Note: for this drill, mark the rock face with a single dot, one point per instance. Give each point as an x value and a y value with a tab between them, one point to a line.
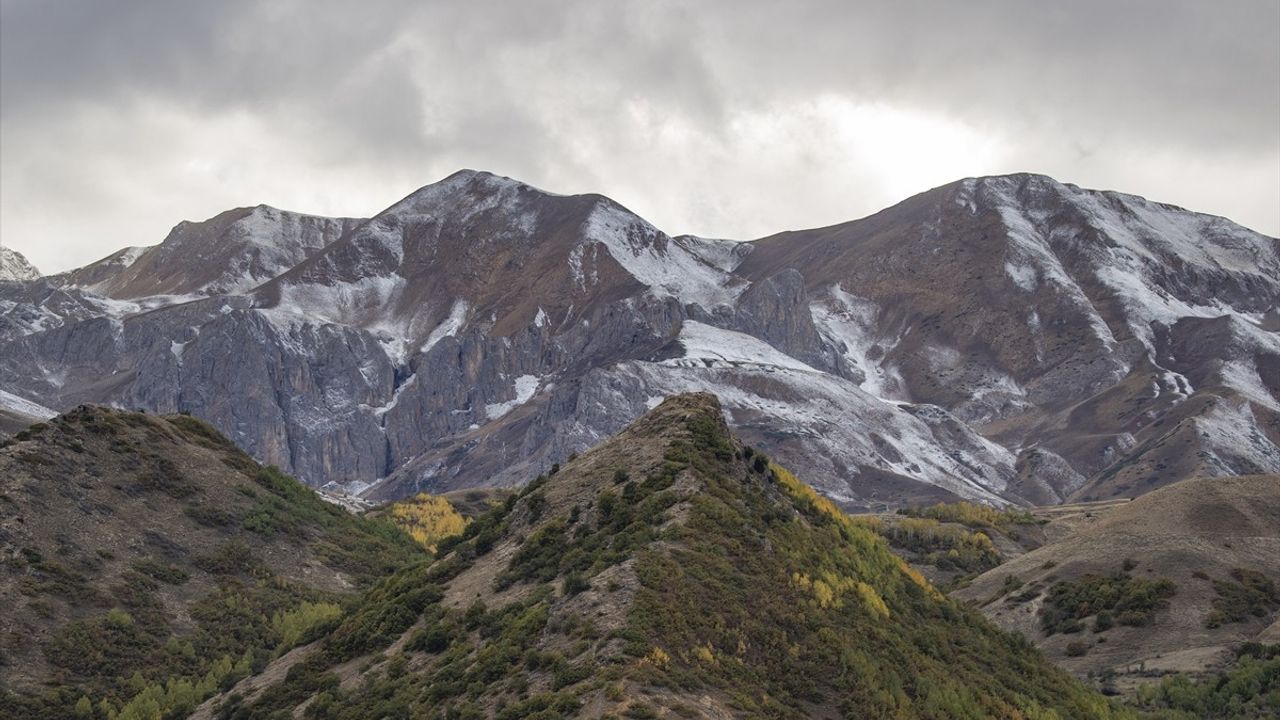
1005	339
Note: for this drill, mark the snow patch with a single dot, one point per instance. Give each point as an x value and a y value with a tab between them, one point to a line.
449	326
850	321
707	346
525	387
1022	275
830	416
669	268
23	406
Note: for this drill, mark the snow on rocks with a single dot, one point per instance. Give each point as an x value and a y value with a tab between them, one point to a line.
849	322
669	268
15	268
525	386
23	406
707	346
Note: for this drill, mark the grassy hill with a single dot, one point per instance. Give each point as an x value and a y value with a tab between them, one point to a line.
669	572
145	563
1174	581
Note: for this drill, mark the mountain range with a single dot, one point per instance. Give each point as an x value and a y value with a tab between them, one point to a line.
1010	339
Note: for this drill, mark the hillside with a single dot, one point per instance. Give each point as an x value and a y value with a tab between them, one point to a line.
147	557
1007	339
1182	577
669	572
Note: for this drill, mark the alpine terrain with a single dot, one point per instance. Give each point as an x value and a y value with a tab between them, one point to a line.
1005	339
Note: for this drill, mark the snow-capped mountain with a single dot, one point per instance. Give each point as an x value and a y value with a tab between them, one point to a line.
229	253
14	267
1007	338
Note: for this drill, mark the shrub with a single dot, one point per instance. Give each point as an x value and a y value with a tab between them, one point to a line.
574	584
303	623
166	573
1249	593
1133	601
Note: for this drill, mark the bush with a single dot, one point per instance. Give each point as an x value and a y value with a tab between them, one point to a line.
1249	593
433	639
1133	601
574	584
165	573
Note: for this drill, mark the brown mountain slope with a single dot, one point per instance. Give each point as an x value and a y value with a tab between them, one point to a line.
132	543
1195	534
233	251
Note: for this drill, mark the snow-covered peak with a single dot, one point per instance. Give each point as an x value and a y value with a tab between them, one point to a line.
668	267
1118	250
463	191
15	268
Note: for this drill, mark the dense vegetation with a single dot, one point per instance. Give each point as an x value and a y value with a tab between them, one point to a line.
1116	598
762	593
428	518
945	546
848	626
956	538
973	515
1248	690
153	636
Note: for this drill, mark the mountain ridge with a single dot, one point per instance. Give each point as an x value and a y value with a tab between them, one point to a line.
933	350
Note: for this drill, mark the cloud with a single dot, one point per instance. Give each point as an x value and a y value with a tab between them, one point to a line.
722	118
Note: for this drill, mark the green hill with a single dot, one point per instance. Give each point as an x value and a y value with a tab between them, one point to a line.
146	563
669	572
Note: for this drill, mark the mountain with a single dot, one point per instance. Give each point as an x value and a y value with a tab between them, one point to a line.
1008	339
232	252
1174	581
671	571
138	548
14	267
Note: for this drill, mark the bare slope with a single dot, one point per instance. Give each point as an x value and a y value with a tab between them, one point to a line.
1194	534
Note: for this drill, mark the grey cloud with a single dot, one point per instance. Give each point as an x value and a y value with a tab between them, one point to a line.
105	108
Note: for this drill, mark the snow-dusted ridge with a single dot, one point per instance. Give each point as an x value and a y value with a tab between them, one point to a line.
14	266
670	268
480	329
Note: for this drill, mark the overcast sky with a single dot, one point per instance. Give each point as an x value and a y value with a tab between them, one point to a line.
729	119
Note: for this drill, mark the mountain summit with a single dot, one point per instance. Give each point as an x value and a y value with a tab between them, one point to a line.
1008	339
14	267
